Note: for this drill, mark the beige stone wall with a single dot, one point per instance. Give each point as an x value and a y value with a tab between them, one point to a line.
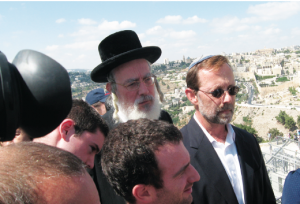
269	90
246	75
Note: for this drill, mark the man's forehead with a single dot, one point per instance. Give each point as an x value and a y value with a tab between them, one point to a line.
132	69
167	154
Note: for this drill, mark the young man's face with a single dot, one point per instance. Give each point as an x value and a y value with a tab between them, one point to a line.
178	174
85	146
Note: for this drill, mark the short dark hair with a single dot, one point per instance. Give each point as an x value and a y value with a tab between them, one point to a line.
86	118
213	63
25	165
128	155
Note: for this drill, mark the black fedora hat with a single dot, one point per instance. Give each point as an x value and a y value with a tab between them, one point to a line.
119	48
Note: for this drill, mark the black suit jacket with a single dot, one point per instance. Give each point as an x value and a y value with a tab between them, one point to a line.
214	185
105	190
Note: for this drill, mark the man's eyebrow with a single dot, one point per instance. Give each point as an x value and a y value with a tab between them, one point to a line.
181	170
136	79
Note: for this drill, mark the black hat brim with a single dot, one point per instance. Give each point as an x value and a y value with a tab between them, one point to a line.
100	73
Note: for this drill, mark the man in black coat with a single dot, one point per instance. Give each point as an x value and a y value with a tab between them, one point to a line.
134	90
228	159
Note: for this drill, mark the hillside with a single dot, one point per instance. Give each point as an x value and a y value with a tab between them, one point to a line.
263	118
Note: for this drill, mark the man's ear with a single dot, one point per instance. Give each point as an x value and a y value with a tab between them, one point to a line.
66	129
144	193
108	87
191	95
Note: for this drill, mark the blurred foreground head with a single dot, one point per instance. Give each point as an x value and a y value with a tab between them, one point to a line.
36	173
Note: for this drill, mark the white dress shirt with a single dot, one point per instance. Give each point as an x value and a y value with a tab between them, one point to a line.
228	155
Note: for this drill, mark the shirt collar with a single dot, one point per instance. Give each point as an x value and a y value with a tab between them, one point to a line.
230	138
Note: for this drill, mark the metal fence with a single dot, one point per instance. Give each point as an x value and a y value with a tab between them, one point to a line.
281	158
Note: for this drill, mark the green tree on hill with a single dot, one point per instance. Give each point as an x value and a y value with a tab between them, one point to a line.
275	132
289	122
281	117
298	121
286	120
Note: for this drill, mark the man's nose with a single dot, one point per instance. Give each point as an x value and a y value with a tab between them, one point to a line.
143	89
194	175
227	98
90	162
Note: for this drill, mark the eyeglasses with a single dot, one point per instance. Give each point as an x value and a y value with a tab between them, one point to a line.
135	85
219	92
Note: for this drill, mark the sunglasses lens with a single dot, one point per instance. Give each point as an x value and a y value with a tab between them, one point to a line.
233	90
217	93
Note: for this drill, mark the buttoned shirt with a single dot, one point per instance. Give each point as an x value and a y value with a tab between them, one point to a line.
228	155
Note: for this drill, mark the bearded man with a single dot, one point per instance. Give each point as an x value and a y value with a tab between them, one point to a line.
228	159
134	90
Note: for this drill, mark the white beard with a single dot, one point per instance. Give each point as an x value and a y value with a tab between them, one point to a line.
133	113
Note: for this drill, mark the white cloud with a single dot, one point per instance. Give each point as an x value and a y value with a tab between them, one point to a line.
141	36
179	20
88	45
203	47
194	19
295	31
51	47
61	35
271	31
170	20
182	34
229	24
115	25
156	30
81	56
61	20
86	21
81	32
275	10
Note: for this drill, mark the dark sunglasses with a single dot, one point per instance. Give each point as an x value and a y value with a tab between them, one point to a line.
219	92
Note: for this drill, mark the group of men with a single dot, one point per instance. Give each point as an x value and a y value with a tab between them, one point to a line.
146	159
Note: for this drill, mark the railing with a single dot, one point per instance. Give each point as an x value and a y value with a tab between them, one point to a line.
281	158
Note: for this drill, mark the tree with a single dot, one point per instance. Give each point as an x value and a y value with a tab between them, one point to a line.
168	87
248	128
292	90
282	63
289	122
275	132
298	121
285	120
281	117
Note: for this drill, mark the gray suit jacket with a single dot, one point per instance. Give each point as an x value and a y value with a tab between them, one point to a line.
214	185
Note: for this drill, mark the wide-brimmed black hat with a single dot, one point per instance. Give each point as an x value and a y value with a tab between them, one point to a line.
35	94
119	48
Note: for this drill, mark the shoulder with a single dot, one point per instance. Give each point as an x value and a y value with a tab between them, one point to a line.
291	189
293	176
244	134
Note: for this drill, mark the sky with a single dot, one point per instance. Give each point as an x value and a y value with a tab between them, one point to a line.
70	32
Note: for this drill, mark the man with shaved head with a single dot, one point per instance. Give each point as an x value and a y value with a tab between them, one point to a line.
37	173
